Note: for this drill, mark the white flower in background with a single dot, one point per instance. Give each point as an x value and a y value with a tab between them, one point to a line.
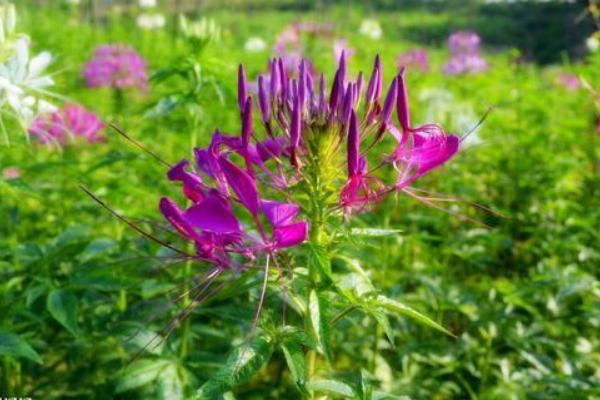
593	42
151	21
371	28
255	45
22	81
583	346
73	2
458	116
147	3
205	29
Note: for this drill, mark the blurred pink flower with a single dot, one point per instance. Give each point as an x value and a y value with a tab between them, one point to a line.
418	58
464	54
339	46
464	42
116	66
463	63
69	123
568	81
9	173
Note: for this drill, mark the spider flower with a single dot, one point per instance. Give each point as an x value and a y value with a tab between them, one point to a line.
255	193
70	123
465	54
464	42
116	66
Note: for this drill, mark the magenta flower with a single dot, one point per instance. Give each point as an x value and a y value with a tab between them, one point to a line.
70	123
10	173
464	63
246	191
465	54
464	42
116	66
339	46
568	81
417	58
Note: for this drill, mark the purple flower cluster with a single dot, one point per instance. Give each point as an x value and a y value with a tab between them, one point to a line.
70	123
417	58
307	136
465	54
116	66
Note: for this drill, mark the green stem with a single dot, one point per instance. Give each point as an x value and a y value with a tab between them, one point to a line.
118	101
5	384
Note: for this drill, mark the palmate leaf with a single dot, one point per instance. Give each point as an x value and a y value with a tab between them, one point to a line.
402	309
241	365
13	345
319	323
62	305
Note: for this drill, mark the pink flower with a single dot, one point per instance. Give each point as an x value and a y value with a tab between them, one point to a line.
10	173
568	81
464	42
116	66
465	63
339	46
69	123
465	56
418	58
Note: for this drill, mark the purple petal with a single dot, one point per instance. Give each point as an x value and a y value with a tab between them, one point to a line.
388	106
214	215
173	214
246	122
402	107
192	184
290	235
242	84
271	147
263	100
279	214
242	184
353	146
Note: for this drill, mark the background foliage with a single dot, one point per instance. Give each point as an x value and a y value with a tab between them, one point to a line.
81	296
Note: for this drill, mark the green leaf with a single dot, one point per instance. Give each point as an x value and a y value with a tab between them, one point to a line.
374	232
294	356
383	321
97	248
242	364
319	260
169	385
62	305
140	373
332	387
318	322
403	309
13	345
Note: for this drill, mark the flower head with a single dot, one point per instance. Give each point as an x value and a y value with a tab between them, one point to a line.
465	56
69	123
568	81
464	42
116	66
249	192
